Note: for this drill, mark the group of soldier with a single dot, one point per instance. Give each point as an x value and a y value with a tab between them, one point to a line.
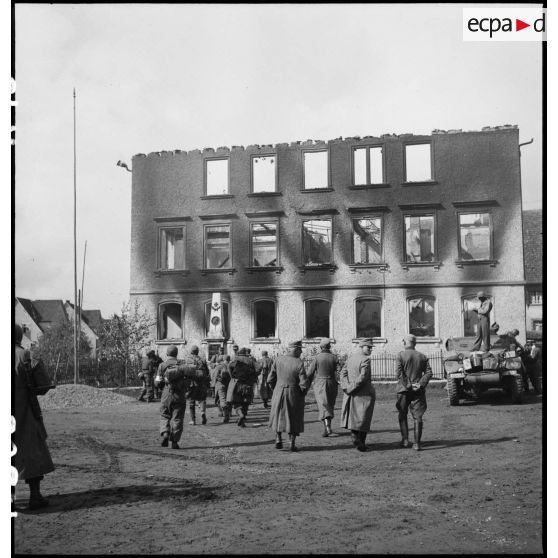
285	380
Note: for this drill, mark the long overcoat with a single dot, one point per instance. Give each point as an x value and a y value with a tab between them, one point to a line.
264	366
32	458
322	370
360	396
289	382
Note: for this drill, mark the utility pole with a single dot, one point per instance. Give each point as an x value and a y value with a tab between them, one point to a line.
76	346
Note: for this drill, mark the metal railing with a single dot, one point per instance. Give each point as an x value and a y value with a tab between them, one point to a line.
384	365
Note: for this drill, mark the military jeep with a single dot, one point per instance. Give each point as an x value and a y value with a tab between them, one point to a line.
469	373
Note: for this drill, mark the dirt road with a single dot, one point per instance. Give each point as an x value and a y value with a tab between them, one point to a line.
475	487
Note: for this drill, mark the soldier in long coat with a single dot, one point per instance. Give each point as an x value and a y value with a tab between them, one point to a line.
264	367
359	394
239	393
413	375
483	335
222	380
196	391
32	458
290	384
323	368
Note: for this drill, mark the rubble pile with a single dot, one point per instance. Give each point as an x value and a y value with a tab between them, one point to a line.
72	395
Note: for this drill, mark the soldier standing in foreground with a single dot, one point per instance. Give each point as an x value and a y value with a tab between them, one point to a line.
198	388
483	334
222	380
239	393
323	368
148	369
290	384
413	375
263	367
359	394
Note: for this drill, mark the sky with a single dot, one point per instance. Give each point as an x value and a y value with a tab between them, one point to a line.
164	77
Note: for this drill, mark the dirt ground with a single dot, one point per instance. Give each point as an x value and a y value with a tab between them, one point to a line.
475	488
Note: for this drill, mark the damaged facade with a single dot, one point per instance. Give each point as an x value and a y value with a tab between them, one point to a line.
349	238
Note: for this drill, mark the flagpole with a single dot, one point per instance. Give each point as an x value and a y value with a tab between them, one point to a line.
76	359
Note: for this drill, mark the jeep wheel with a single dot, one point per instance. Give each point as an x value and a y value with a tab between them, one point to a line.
517	389
453	392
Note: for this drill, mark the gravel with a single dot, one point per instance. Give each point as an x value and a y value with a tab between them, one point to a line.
72	395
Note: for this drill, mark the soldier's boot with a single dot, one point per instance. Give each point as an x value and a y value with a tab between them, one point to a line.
36	499
362	441
242	418
278	441
404	428
354	437
203	406
265	404
226	413
328	426
418	436
325	433
292	438
175	445
165	442
192	416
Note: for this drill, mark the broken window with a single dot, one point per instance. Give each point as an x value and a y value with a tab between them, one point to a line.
368	165
170	321
418	162
264	244
216	177
316	242
217	247
172	249
470	317
264	173
367	240
265	319
316	318
419	238
368	317
316	171
422	316
475	236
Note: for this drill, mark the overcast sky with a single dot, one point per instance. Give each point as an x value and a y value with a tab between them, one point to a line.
164	77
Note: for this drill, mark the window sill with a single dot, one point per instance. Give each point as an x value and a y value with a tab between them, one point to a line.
316	340
229	270
369	186
320	267
262	340
420	183
263	194
161	272
378	266
258	269
170	342
379	340
217	197
461	263
316	190
406	265
428	340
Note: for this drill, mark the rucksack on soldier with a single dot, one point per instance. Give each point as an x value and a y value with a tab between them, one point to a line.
172	375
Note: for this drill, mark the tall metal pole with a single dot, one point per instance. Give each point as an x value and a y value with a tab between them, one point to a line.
76	356
81	290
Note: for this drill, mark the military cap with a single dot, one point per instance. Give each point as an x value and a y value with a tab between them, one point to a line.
264	353
242	351
295	345
325	342
366	343
410	340
194	350
172	350
235	346
150	353
481	294
515	332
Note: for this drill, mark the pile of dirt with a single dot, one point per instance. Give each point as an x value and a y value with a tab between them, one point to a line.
71	395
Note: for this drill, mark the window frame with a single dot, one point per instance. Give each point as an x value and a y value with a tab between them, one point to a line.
304	265
251	243
491	236
204	255
207	160
328	187
172	340
369	183
470	296
375	299
421	213
253	338
380	216
422	338
256	156
330	318
432	178
160	229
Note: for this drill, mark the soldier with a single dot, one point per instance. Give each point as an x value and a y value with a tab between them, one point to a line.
217	358
239	392
156	390
148	370
290	384
264	367
173	401
323	367
222	380
359	394
197	389
483	335
413	375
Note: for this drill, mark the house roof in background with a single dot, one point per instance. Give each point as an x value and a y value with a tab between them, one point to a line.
30	309
50	311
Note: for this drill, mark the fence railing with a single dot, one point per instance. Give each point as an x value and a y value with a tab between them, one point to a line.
384	365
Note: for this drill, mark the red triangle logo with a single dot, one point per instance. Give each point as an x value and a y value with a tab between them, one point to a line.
519	25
